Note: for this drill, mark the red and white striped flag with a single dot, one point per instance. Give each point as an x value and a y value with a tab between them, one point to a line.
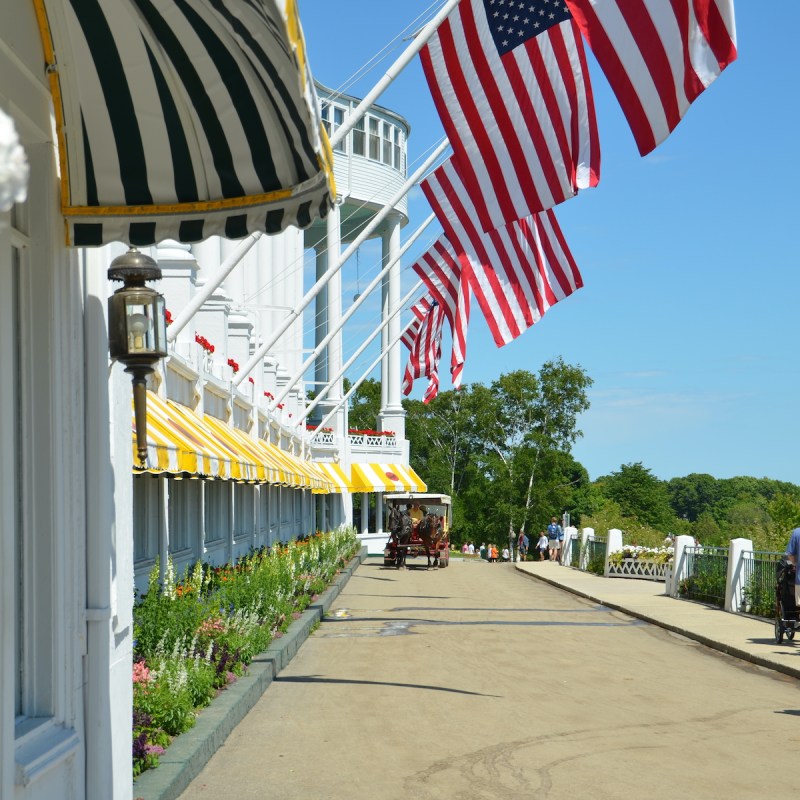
517	272
424	340
511	85
440	269
658	56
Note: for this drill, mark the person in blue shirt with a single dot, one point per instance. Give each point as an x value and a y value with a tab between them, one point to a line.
793	552
555	535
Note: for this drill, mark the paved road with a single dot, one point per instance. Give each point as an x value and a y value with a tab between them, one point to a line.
477	682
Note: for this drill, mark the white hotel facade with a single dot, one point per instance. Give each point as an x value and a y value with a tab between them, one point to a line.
81	528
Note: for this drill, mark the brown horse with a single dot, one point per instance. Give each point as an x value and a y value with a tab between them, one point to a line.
431	531
400	528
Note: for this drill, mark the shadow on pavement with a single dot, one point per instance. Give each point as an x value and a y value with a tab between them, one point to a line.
314	679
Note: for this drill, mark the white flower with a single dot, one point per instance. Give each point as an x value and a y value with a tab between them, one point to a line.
13	165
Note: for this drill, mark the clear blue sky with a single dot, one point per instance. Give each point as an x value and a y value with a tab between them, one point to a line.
687	319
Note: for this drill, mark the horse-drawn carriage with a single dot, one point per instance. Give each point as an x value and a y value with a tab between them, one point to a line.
429	535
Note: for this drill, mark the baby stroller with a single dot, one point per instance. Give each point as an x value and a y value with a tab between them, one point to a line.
786	612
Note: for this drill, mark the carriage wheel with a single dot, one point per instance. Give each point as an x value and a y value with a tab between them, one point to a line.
779	630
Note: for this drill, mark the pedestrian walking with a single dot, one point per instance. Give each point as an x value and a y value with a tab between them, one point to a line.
555	536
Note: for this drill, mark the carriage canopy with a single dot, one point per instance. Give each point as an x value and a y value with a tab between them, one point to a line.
438	504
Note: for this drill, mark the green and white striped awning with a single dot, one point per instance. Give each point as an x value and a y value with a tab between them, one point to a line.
183	119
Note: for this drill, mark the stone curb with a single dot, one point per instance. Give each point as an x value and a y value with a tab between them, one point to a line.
721	647
191	751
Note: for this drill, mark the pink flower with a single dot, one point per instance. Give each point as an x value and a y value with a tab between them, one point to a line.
141	674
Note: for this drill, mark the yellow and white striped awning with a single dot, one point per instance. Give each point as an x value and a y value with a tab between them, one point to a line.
178	441
239	441
385	478
336	475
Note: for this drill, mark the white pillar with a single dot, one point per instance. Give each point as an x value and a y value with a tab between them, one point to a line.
570	538
586	535
740	551
333	351
364	512
680	562
392	416
613	545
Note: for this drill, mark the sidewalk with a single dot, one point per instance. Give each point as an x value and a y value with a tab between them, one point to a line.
748	638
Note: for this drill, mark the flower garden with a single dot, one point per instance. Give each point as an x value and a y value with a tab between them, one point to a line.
195	635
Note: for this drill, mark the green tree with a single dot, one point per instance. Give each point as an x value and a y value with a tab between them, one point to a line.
692	495
640	495
365	406
784	517
503	449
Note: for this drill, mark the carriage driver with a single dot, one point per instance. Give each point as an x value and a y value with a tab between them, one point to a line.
415	512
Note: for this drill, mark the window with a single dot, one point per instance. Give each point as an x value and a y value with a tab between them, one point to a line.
374	139
184	513
243	510
358	138
146	508
332	119
218	511
387	143
263	505
398	150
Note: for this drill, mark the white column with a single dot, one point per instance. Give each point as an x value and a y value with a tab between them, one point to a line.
364	512
321	370
392	416
586	535
334	348
680	562
740	551
613	545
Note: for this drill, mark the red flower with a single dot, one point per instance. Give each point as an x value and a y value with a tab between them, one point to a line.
204	343
233	365
167	316
252	380
269	395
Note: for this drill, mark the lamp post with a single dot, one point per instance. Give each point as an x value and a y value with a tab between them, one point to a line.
137	329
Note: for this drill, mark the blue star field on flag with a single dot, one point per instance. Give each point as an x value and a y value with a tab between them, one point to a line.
513	22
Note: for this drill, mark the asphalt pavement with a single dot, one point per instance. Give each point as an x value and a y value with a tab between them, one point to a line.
420	685
739	635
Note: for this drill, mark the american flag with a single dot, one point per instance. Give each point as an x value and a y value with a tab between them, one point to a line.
424	340
511	85
658	56
517	272
440	269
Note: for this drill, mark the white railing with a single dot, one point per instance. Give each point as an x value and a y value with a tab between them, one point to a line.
376	442
637	568
323	438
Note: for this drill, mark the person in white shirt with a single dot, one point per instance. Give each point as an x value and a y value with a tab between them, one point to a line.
471	549
542	545
506	555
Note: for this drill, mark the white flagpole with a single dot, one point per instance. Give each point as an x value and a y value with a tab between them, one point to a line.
369	369
255	359
315	402
352	310
401	63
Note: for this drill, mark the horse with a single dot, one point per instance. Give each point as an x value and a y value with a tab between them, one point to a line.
431	531
400	528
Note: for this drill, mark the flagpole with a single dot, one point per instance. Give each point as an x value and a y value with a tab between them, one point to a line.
262	350
352	310
420	40
315	402
369	369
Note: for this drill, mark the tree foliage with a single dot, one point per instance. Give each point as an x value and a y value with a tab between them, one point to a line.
502	451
